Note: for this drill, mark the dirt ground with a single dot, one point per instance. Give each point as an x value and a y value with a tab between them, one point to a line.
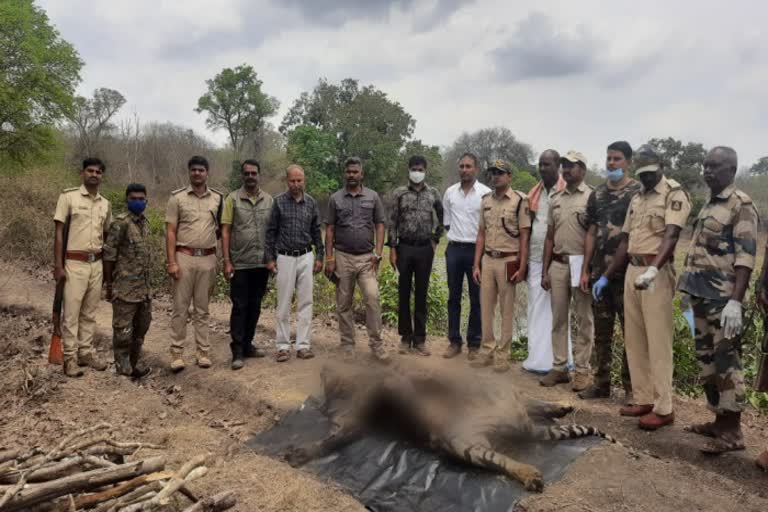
215	411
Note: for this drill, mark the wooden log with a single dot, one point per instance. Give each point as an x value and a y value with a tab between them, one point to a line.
82	482
221	501
111	493
7	455
130	497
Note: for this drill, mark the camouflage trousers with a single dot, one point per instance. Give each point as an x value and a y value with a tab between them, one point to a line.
610	306
720	369
130	323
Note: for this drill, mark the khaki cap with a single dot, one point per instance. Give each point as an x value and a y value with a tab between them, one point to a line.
573	157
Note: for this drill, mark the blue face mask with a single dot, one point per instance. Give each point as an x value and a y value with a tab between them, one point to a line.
136	206
615	175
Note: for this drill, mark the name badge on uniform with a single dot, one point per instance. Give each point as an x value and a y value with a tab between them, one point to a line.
677	205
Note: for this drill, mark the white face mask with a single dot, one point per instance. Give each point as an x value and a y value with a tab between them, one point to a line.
416	176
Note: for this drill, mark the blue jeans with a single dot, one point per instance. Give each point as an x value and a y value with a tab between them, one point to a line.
459	259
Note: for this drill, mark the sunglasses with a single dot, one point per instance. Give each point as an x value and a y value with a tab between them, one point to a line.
497	172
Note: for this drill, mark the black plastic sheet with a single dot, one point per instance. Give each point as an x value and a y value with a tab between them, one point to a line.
387	475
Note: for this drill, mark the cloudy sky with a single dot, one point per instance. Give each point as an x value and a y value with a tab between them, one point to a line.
568	75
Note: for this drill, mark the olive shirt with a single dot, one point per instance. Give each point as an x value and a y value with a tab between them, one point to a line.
650	212
354	218
606	210
503	218
195	217
568	217
128	246
724	237
90	217
248	216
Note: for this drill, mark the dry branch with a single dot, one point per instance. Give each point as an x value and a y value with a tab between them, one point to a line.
222	501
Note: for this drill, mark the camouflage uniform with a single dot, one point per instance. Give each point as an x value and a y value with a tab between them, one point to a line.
724	237
606	210
127	246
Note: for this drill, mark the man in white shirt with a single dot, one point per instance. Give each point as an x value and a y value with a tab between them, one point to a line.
461	206
539	358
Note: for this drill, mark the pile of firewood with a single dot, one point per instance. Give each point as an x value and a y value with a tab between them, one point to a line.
88	471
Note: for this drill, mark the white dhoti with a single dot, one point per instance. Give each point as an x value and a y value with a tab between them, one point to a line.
540	324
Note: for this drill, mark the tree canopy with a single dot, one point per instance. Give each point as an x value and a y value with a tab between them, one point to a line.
38	75
91	118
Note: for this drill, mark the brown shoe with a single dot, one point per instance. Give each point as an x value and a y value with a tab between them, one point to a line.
305	353
472	353
452	351
380	355
500	365
581	382
91	360
553	378
282	356
483	361
762	461
71	369
636	410
421	349
177	364
653	421
203	361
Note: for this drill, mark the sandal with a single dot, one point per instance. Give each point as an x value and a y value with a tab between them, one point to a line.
305	353
703	429
723	444
283	356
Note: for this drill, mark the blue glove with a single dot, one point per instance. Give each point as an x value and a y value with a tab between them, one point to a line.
599	286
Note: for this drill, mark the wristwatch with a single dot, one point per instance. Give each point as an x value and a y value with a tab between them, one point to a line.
378	256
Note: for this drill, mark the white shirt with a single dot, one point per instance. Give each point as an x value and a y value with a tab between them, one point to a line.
462	211
539	227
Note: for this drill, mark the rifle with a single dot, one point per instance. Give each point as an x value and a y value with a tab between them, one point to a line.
56	352
761	382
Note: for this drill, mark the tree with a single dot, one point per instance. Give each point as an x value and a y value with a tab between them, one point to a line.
315	151
92	118
358	121
235	102
490	144
38	75
760	168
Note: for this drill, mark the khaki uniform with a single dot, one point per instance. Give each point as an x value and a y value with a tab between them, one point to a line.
648	320
501	219
724	237
90	218
195	219
568	218
128	246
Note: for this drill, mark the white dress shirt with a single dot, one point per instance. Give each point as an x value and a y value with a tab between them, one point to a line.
539	227
462	211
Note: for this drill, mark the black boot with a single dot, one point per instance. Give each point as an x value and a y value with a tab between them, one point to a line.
237	357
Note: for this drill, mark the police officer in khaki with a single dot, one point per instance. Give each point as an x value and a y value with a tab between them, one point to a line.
654	220
501	260
563	259
88	216
192	220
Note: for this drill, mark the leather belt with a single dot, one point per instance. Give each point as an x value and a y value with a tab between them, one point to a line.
644	260
560	258
415	243
500	254
296	253
462	244
86	256
195	252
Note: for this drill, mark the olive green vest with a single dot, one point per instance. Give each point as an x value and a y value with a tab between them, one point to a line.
249	229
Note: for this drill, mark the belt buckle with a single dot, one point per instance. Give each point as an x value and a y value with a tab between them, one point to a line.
495	254
91	257
197	252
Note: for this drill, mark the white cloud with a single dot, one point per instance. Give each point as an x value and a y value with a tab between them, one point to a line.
558	74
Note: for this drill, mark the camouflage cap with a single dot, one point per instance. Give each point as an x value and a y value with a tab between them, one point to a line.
646	159
574	156
501	165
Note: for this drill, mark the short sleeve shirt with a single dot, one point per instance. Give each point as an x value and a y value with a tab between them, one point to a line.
650	212
90	217
724	237
568	217
606	210
503	218
194	217
354	218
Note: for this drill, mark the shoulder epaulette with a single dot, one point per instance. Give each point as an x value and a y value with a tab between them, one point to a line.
522	195
178	190
215	191
70	189
743	197
673	185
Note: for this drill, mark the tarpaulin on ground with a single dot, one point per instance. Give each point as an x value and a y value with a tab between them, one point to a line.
387	475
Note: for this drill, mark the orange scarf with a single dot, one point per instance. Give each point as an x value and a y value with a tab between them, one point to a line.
535	194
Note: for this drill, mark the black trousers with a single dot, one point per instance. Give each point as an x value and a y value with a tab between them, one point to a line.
415	266
246	290
459	260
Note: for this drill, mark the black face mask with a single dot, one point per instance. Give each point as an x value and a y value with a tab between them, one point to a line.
648	179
